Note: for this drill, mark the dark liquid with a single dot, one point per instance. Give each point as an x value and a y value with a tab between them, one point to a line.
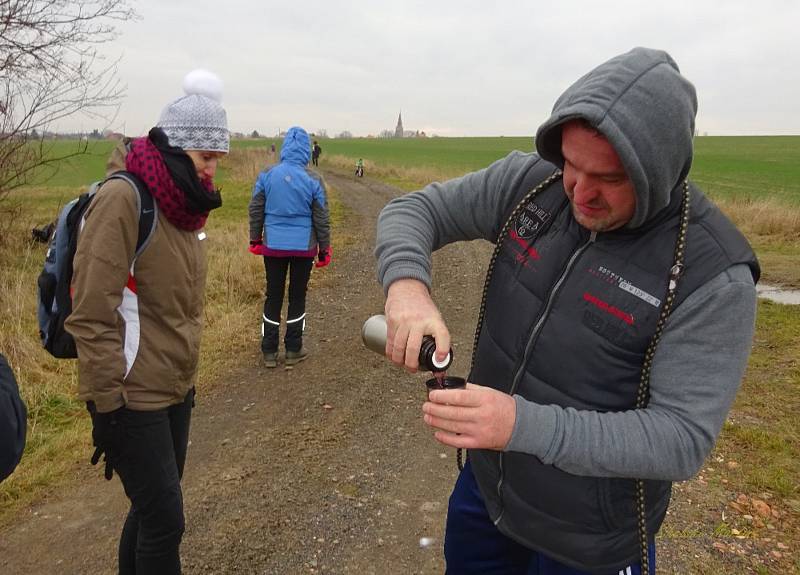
441	380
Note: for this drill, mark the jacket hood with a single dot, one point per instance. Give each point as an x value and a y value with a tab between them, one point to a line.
116	161
296	148
644	107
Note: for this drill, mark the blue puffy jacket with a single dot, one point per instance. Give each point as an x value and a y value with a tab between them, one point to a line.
289	209
12	421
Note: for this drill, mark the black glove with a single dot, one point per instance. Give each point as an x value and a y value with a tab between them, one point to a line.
106	428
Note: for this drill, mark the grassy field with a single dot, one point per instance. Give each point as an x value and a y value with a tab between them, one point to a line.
755	180
749	167
734	168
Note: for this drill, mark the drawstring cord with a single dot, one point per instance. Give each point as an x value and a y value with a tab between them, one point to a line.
643	392
497	247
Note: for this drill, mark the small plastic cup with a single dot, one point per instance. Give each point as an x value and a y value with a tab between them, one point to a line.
447	382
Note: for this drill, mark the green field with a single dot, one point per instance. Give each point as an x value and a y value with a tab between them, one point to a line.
453	154
748	167
726	167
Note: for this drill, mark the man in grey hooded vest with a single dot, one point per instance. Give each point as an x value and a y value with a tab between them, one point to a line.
617	321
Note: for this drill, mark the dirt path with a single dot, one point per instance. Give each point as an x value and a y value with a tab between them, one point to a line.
326	468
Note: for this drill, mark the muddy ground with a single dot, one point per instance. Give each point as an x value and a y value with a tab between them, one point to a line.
325	468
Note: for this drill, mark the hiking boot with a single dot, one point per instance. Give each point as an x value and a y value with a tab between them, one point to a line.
293	357
271	358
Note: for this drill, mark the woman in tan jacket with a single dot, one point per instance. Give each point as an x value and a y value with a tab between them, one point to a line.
137	320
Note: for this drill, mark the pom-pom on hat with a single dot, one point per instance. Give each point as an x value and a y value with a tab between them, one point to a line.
197	121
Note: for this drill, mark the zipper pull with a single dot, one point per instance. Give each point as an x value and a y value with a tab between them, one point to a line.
674	274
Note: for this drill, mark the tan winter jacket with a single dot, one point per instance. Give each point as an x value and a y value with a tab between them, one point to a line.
138	342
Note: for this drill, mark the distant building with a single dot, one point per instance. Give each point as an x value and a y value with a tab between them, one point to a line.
398	131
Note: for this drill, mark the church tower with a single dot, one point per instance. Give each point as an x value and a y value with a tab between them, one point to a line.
398	131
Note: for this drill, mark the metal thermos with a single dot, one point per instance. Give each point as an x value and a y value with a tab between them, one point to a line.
374	336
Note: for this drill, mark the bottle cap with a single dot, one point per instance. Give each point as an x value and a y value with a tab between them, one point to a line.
440	364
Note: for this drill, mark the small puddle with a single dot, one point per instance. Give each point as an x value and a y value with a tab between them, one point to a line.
778	294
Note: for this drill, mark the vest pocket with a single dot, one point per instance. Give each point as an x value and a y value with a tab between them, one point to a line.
617	498
570	501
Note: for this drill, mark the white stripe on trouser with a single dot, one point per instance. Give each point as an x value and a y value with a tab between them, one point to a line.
295	320
269	321
626	571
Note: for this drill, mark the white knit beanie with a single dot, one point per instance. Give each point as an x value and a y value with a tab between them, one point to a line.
197	121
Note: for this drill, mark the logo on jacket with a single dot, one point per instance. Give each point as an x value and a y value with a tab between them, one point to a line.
611	277
528	224
530	221
608	308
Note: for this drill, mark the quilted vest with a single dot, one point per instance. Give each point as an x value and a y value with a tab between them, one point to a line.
567	321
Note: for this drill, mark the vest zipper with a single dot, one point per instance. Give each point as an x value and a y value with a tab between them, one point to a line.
532	339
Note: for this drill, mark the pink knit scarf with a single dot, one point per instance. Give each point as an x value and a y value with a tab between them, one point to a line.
145	161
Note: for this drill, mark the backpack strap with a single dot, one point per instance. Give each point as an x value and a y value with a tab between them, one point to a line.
148	209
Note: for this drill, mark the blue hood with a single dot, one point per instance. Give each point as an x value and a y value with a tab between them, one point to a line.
296	148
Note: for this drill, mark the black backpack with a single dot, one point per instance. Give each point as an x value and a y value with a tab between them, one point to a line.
55	297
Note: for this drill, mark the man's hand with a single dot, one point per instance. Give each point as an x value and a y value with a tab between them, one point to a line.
410	315
473	418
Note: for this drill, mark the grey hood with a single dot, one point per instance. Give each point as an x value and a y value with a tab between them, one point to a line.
644	107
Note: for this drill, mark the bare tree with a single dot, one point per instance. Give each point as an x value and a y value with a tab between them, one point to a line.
50	68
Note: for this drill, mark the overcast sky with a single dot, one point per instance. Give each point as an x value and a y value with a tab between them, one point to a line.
454	67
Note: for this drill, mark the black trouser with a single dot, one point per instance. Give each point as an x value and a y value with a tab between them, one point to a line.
150	465
299	270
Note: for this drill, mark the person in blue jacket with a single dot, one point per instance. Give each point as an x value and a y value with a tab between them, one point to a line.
289	226
12	421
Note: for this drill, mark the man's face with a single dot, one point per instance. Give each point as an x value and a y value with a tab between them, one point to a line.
601	193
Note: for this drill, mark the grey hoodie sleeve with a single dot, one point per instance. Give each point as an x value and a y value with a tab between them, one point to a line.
471	207
256	209
320	215
696	372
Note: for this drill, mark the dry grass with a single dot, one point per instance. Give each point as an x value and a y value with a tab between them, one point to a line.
773	229
46	384
244	164
763	217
